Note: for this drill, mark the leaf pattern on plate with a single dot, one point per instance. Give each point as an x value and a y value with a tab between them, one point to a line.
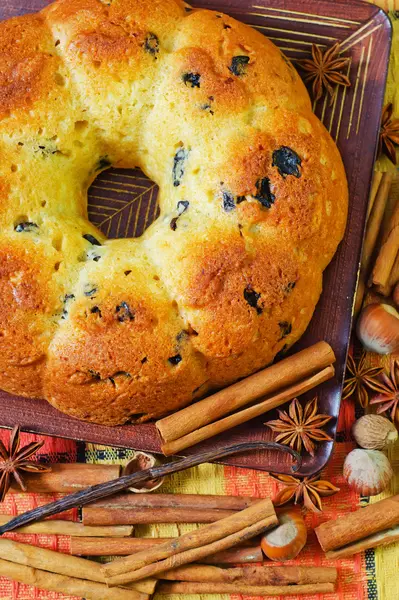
123	203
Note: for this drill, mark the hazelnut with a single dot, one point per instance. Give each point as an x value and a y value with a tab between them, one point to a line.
285	541
367	471
140	462
374	432
378	328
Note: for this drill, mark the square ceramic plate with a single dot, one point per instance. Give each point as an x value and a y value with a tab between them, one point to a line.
123	203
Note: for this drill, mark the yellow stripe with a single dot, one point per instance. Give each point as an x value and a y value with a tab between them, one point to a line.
303	42
117	200
296	12
127	176
129	219
355	93
119	190
354	34
363	36
301	33
364	84
342	104
294	49
137	217
386	559
323	112
311	22
336	98
138	198
108	228
135	185
94	213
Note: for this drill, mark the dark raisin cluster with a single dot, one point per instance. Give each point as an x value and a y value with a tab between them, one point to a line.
179	165
124	313
192	79
90	238
47	150
285	328
287	162
26	227
228	201
263	194
89	290
95	310
151	45
239	65
174	360
289	287
208	105
252	298
103	163
182	206
67	298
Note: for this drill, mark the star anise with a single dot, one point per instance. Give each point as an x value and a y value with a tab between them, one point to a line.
387	387
389	134
15	459
324	69
300	426
358	378
309	489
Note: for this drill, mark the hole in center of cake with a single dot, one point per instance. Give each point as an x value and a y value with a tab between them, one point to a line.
123	202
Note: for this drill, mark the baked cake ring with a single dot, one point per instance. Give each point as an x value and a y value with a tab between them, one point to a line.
253	203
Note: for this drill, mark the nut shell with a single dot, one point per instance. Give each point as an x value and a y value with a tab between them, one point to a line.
140	462
367	471
285	541
378	328
374	432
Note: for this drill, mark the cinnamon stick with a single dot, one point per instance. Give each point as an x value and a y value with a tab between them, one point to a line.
193	546
235	556
55	562
358	525
388	252
123	547
389	536
68	477
148	516
58	527
182	587
265	575
372	231
65	584
280	375
190	501
247	414
374	189
386	290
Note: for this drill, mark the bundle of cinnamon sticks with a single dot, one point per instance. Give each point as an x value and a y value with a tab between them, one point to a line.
380	258
369	527
385	272
252	581
170	566
127	509
175	561
247	399
63	573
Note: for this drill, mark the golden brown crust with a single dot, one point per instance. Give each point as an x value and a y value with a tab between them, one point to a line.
117	330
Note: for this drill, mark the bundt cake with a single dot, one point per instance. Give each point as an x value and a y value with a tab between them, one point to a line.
253	203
